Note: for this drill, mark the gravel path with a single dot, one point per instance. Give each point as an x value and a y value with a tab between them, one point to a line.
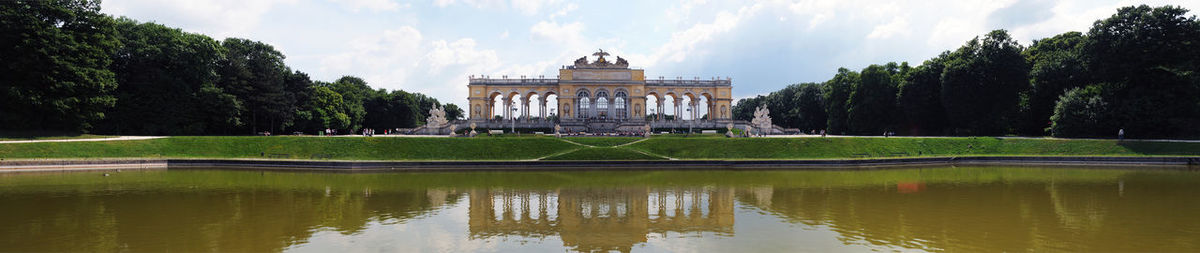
119	138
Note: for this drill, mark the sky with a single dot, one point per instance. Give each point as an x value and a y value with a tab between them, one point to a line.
433	46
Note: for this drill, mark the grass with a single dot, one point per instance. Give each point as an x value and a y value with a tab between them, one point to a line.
532	147
603	153
345	148
809	148
603	141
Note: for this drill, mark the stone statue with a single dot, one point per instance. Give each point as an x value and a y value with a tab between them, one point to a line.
762	120
621	62
436	120
473	133
647	129
557	128
581	62
452	128
729	130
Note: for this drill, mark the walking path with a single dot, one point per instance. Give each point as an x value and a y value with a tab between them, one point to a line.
118	138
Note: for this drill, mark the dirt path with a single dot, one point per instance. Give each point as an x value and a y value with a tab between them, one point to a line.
119	138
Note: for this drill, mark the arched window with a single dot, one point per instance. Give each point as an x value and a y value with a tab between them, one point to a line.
620	103
584	104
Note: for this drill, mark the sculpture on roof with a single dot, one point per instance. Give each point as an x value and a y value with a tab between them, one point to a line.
600	61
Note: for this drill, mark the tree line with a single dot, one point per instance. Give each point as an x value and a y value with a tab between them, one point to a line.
68	67
1138	70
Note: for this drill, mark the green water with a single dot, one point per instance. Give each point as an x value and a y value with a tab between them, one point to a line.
965	209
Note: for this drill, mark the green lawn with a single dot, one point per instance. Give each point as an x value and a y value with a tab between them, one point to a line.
532	147
348	148
604	153
807	148
603	141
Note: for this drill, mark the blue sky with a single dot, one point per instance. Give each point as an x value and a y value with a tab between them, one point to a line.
432	46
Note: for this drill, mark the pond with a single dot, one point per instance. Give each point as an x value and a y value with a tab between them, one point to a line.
956	209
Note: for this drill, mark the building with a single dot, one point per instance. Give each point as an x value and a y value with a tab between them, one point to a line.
600	96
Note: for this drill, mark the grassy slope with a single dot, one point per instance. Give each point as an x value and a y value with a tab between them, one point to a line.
518	148
603	141
801	148
299	147
603	153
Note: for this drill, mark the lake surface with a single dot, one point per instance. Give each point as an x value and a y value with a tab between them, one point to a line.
964	209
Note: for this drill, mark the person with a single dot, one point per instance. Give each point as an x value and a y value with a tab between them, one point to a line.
1121	134
822	132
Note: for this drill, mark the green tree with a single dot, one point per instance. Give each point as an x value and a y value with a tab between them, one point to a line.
56	55
744	109
254	72
1056	65
355	92
1147	58
392	110
1081	113
873	100
327	110
837	93
982	83
920	99
162	73
453	112
810	107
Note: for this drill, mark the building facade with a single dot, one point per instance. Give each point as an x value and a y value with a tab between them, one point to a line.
599	95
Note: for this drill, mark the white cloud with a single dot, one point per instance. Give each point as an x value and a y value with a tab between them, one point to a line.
555	32
530	7
566	9
899	25
217	18
372	5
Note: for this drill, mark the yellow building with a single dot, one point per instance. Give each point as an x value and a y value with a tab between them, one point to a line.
600	96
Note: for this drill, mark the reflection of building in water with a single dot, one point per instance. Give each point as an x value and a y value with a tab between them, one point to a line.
601	218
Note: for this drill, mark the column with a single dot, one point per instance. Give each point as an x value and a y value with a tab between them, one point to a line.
525	108
678	109
658	107
542	108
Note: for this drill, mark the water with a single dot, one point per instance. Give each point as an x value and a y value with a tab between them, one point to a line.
975	209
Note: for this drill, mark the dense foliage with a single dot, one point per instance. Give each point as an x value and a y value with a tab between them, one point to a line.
1138	70
67	67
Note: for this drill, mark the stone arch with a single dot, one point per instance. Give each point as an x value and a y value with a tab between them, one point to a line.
491	105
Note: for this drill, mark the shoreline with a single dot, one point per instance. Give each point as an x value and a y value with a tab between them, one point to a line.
43	165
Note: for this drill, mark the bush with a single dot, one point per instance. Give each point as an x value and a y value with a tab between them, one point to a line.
1081	113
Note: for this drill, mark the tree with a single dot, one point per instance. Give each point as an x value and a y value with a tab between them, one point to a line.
327	110
1056	65
391	110
453	112
810	107
164	75
56	55
873	100
982	83
920	98
254	72
355	92
1080	113
837	93
744	109
1147	60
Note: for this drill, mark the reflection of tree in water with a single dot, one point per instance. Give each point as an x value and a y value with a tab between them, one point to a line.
600	218
182	219
1000	216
